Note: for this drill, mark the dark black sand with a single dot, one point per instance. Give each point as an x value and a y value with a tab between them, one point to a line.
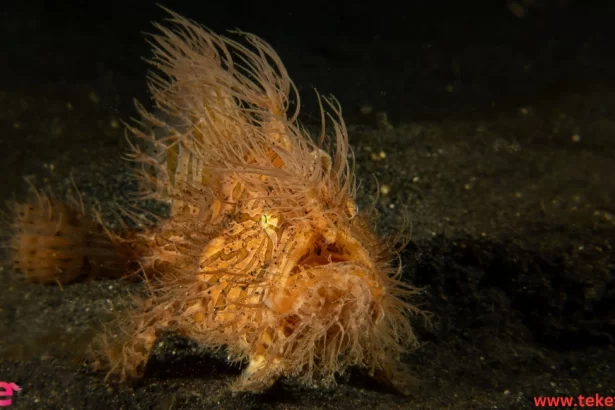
498	134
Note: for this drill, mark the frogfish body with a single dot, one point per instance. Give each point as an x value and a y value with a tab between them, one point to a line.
264	252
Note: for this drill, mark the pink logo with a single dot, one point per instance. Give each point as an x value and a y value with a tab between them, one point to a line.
6	390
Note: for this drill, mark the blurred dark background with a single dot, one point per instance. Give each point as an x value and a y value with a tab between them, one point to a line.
414	60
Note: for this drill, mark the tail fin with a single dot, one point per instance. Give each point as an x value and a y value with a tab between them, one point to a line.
52	241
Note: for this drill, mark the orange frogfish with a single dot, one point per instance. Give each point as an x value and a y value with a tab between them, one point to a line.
264	252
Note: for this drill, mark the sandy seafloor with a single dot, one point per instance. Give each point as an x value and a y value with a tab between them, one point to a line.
499	145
